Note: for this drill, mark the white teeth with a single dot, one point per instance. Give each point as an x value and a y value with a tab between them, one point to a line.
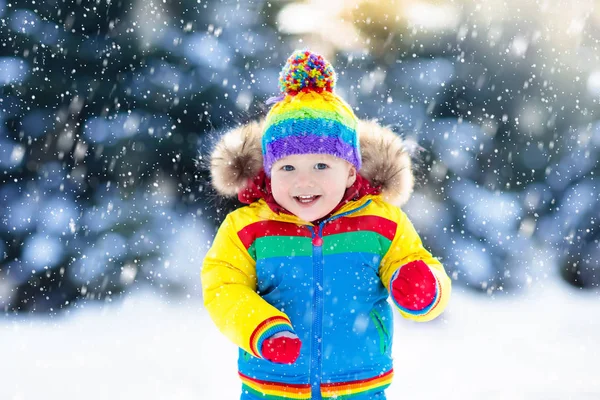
306	199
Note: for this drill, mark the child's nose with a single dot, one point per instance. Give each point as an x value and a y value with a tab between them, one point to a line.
305	179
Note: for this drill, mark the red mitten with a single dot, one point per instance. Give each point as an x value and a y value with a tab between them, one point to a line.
282	348
414	286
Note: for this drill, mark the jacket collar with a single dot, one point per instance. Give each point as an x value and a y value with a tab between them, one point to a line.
259	188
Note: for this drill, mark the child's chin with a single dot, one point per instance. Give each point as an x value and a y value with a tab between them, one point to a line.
309	215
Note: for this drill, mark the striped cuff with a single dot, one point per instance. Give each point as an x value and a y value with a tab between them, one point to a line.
426	310
266	329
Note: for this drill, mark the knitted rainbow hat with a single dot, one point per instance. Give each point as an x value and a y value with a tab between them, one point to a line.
308	117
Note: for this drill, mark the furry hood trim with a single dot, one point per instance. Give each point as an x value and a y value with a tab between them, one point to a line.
386	163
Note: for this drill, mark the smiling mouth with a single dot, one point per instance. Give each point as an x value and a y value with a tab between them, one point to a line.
306	199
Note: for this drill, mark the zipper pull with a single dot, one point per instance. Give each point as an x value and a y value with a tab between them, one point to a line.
317	240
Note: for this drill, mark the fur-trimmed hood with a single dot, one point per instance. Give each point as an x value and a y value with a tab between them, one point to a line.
386	163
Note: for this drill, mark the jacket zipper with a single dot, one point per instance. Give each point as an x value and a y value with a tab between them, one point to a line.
316	348
317	325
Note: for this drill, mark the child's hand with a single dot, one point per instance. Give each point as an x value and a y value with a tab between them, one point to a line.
414	286
282	348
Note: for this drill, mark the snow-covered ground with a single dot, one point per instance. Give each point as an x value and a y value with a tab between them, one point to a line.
544	345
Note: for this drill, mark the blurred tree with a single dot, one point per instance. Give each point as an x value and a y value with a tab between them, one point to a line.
507	125
104	108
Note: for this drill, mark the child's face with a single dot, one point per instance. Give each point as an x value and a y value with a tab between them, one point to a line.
311	185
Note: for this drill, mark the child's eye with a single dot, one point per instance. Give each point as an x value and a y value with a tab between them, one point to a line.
287	168
321	166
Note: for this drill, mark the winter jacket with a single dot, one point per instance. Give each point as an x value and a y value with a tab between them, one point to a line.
328	282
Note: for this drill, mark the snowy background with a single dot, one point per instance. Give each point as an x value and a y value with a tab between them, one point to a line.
107	112
542	346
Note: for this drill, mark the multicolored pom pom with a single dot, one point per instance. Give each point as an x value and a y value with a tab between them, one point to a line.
306	71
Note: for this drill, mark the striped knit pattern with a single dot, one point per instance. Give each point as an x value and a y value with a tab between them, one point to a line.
347	390
426	310
338	390
266	329
274	390
310	118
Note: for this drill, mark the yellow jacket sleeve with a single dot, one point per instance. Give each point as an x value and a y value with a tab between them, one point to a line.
229	286
406	247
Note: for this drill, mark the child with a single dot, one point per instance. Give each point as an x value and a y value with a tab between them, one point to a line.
299	278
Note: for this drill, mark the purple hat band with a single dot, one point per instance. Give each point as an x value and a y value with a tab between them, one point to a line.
310	144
